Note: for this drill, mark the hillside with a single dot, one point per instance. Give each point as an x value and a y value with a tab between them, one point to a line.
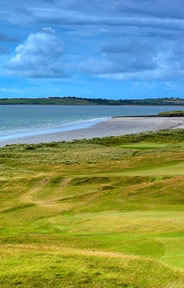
94	213
88	101
172	114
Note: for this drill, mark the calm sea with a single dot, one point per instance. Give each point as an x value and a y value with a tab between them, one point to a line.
18	121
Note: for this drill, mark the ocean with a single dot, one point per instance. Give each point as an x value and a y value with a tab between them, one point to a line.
29	120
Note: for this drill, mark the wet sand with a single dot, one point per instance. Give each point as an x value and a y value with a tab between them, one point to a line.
114	127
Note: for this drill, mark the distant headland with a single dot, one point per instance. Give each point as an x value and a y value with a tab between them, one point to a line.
89	101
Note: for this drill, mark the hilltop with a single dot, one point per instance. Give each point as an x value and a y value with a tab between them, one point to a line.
89	101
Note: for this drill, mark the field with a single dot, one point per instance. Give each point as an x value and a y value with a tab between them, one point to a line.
94	213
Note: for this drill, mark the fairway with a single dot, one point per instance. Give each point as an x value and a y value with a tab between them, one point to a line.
93	213
165	169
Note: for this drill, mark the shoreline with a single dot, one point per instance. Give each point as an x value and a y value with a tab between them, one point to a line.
114	127
72	126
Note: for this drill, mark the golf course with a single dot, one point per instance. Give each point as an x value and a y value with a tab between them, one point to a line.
99	213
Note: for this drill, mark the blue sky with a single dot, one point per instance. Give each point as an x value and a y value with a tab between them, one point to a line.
108	48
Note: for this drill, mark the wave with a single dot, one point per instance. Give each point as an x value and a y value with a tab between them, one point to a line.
64	127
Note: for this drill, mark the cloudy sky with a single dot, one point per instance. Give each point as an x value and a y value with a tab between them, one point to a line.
107	48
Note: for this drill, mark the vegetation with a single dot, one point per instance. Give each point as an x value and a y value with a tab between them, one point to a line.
101	213
88	101
171	114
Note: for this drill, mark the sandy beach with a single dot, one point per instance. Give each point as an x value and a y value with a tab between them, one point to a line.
113	127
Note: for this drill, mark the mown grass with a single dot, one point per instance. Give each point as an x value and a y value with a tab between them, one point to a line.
93	213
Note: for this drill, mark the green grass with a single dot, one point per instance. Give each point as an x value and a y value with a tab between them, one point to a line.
178	113
144	146
93	213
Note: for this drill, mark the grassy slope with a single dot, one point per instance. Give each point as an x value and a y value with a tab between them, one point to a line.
93	213
179	113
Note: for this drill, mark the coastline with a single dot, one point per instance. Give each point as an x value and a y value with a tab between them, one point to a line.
114	127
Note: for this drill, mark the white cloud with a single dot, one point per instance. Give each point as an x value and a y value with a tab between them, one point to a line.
48	29
40	56
137	60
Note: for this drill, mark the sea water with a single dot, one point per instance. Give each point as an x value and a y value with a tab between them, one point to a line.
28	120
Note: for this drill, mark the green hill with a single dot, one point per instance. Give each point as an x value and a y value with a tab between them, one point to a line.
171	114
88	101
93	213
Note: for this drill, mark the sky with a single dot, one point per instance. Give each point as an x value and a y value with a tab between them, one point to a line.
114	49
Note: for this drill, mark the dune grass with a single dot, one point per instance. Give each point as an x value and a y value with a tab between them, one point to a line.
93	213
177	113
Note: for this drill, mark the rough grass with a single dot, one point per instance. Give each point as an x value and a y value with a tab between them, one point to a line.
93	213
177	113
